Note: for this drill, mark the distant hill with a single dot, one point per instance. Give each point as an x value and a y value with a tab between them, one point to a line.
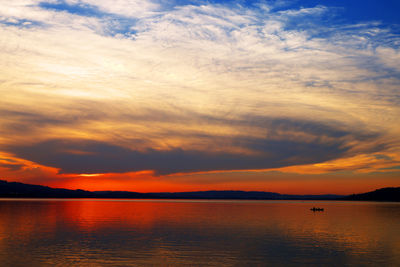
21	190
14	189
383	194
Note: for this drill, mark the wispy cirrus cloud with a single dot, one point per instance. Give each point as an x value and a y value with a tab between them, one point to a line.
257	87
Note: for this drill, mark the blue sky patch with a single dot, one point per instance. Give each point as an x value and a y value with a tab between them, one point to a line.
81	9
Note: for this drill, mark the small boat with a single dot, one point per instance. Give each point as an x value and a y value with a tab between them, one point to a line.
317	209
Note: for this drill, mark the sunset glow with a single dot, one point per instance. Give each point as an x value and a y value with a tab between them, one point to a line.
154	96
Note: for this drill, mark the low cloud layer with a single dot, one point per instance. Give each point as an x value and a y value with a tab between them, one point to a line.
286	143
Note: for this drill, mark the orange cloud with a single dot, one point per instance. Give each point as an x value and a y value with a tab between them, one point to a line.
88	107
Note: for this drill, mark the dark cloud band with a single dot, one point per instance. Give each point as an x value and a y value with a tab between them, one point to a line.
90	156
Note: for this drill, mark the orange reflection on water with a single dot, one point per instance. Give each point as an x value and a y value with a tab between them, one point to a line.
236	231
350	225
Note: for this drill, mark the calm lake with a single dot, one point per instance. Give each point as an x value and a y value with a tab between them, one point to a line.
198	233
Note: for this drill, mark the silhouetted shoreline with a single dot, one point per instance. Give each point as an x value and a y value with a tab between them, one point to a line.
383	194
21	190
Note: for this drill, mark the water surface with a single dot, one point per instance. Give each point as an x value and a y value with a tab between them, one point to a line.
198	233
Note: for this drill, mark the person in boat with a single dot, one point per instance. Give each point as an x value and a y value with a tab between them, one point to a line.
317	209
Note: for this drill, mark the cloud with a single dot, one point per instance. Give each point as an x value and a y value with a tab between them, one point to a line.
11	167
193	87
285	143
95	157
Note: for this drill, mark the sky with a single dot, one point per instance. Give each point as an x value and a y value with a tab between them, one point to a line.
284	96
